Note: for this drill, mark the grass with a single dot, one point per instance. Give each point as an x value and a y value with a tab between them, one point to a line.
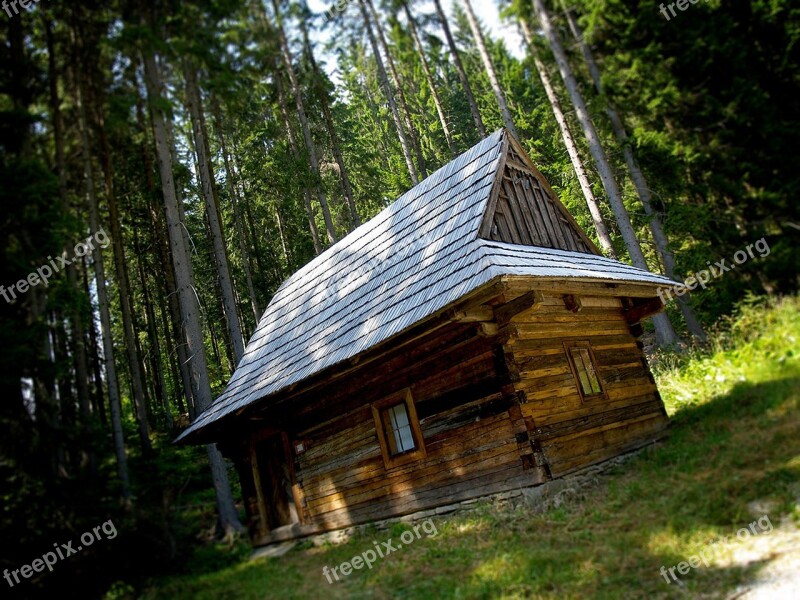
734	440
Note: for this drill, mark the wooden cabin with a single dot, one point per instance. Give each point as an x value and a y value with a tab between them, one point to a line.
468	340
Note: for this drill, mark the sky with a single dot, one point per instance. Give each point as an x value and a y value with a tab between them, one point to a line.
486	11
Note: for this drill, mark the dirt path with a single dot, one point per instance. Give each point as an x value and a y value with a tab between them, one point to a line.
779	550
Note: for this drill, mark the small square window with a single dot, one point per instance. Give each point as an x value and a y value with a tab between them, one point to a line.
584	368
398	429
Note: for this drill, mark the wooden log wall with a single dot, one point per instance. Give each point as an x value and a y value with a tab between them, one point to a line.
462	400
575	432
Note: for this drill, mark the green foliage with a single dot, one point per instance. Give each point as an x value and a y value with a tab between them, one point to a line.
759	338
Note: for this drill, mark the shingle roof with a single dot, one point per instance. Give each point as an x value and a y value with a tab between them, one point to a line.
416	257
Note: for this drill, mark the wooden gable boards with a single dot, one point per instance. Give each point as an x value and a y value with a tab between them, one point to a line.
524	210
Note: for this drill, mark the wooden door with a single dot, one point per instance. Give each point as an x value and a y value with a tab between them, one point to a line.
273	475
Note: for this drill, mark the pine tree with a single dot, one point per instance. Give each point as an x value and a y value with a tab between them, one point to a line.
387	90
226	509
412	26
462	74
304	125
637	177
480	42
195	106
115	404
572	149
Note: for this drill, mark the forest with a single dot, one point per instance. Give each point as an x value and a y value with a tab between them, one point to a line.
167	164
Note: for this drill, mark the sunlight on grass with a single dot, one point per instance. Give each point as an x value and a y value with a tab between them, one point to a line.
492	570
756	344
469	527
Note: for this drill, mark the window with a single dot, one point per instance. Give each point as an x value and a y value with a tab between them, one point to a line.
398	429
584	368
395	420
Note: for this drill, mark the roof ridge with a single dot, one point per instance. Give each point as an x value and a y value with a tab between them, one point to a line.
318	296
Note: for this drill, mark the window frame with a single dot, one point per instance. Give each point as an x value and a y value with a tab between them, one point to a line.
378	408
586	345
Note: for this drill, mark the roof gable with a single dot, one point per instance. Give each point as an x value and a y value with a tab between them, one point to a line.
524	210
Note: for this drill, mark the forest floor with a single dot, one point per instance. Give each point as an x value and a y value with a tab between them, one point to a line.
731	459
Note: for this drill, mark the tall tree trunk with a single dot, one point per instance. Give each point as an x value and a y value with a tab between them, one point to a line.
301	113
282	235
235	201
45	384
98	402
347	188
171	291
462	73
194	102
387	90
637	177
169	287
437	101
227	513
103	308
254	254
249	223
293	146
171	343
401	96
80	359
261	15
218	303
665	334
69	452
159	384
123	287
494	80
376	119
572	148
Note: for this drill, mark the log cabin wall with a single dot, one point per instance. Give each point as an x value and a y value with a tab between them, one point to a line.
571	430
469	418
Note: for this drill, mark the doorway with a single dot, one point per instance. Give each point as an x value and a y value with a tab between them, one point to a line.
274	478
